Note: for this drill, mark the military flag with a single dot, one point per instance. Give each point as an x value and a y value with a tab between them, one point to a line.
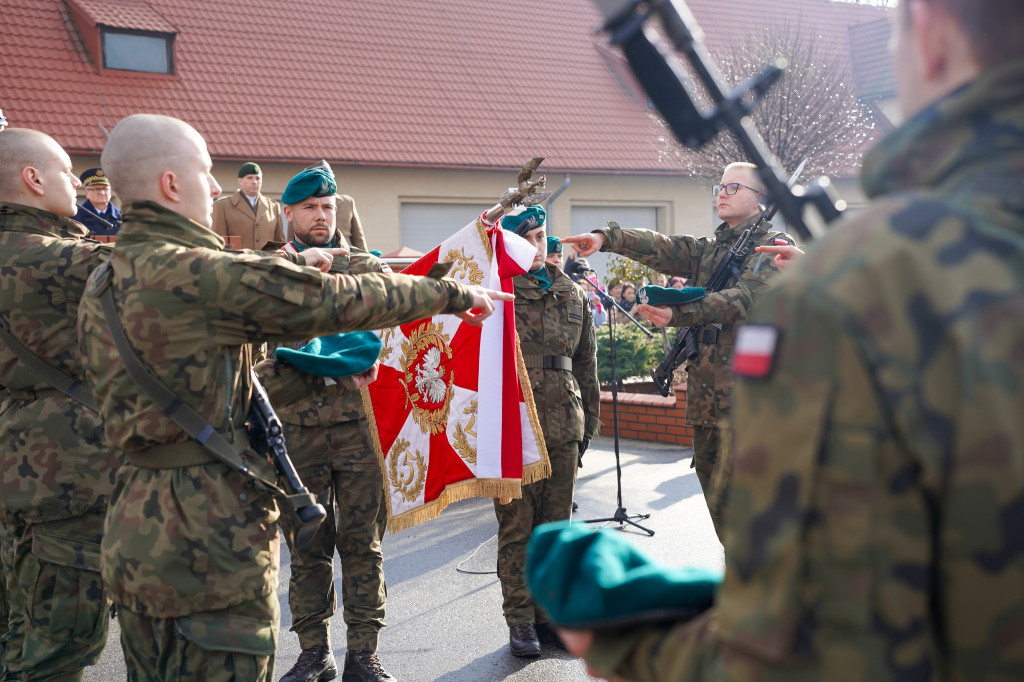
451	412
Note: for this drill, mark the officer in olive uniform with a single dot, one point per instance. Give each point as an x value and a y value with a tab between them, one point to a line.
56	471
709	380
556	337
874	526
329	439
190	551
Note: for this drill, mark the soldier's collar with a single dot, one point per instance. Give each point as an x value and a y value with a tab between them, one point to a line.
724	233
37	220
146	221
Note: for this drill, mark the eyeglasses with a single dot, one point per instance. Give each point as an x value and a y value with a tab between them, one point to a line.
731	189
101	188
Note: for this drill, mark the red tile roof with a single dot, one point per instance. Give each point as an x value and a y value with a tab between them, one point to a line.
451	84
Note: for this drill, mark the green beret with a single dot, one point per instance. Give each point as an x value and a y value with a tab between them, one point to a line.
339	355
250	168
655	295
312	182
554	244
94	177
528	219
378	254
592	578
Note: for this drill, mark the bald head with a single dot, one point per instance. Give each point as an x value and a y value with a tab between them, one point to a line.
36	171
161	159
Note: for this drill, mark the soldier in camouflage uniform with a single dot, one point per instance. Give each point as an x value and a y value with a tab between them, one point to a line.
709	380
329	440
56	473
190	551
878	500
556	337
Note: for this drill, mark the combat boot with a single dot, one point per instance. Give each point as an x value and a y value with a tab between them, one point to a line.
315	664
522	641
363	666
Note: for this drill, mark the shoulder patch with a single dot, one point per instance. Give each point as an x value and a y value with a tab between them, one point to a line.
754	355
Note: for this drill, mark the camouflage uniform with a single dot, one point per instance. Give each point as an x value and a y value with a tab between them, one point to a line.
56	473
553	322
708	377
329	441
191	545
874	528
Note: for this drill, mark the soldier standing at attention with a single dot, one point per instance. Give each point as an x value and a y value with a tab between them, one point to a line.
556	337
709	380
330	442
874	528
247	214
190	551
56	471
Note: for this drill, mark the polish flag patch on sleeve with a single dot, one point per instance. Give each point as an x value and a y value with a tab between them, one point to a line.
754	356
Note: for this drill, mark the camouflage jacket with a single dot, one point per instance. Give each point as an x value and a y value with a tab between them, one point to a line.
708	377
53	461
305	400
558	322
875	519
201	538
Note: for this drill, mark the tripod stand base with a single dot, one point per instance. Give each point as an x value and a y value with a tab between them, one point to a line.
622	517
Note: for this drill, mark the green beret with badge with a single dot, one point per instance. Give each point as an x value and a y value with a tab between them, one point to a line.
554	244
530	218
655	295
335	356
593	579
312	182
249	168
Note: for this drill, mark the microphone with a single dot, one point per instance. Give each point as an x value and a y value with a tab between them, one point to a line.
577	266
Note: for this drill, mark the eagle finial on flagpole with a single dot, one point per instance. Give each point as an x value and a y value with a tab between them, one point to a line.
526	194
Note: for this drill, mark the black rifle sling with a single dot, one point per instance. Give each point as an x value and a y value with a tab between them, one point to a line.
190	421
47	372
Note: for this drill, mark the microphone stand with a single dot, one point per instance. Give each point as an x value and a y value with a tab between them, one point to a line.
620	516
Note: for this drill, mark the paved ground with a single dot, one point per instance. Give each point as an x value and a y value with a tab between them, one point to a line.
444	624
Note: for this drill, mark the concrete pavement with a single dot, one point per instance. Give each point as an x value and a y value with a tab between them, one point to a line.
444	601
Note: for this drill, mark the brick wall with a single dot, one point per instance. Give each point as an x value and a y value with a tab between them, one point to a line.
649	417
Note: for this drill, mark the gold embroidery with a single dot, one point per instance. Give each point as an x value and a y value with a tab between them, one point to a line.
425	386
464	265
461	444
412	468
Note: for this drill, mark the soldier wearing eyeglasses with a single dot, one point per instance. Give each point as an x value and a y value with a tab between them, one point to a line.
739	199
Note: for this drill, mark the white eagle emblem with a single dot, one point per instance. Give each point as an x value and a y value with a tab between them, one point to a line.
429	378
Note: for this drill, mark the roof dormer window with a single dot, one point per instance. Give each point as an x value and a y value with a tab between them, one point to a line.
137	51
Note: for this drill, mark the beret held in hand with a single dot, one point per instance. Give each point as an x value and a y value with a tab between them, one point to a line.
335	356
655	295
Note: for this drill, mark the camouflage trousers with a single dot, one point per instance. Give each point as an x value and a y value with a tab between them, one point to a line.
58	605
546	500
11	638
708	461
339	465
235	644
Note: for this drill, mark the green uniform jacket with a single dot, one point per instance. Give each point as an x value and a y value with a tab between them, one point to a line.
306	400
876	515
54	463
558	322
708	377
201	538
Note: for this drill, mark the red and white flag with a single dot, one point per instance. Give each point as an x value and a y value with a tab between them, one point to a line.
451	412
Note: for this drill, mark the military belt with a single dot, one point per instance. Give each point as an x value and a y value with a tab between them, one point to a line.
548	362
177	455
35	395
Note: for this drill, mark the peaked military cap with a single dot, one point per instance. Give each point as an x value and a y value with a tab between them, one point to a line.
249	168
94	177
338	355
593	578
530	218
655	295
312	182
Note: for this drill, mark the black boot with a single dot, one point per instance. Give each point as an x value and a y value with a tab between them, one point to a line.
315	664
363	666
522	641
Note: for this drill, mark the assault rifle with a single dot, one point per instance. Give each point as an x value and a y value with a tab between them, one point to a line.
266	434
661	75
